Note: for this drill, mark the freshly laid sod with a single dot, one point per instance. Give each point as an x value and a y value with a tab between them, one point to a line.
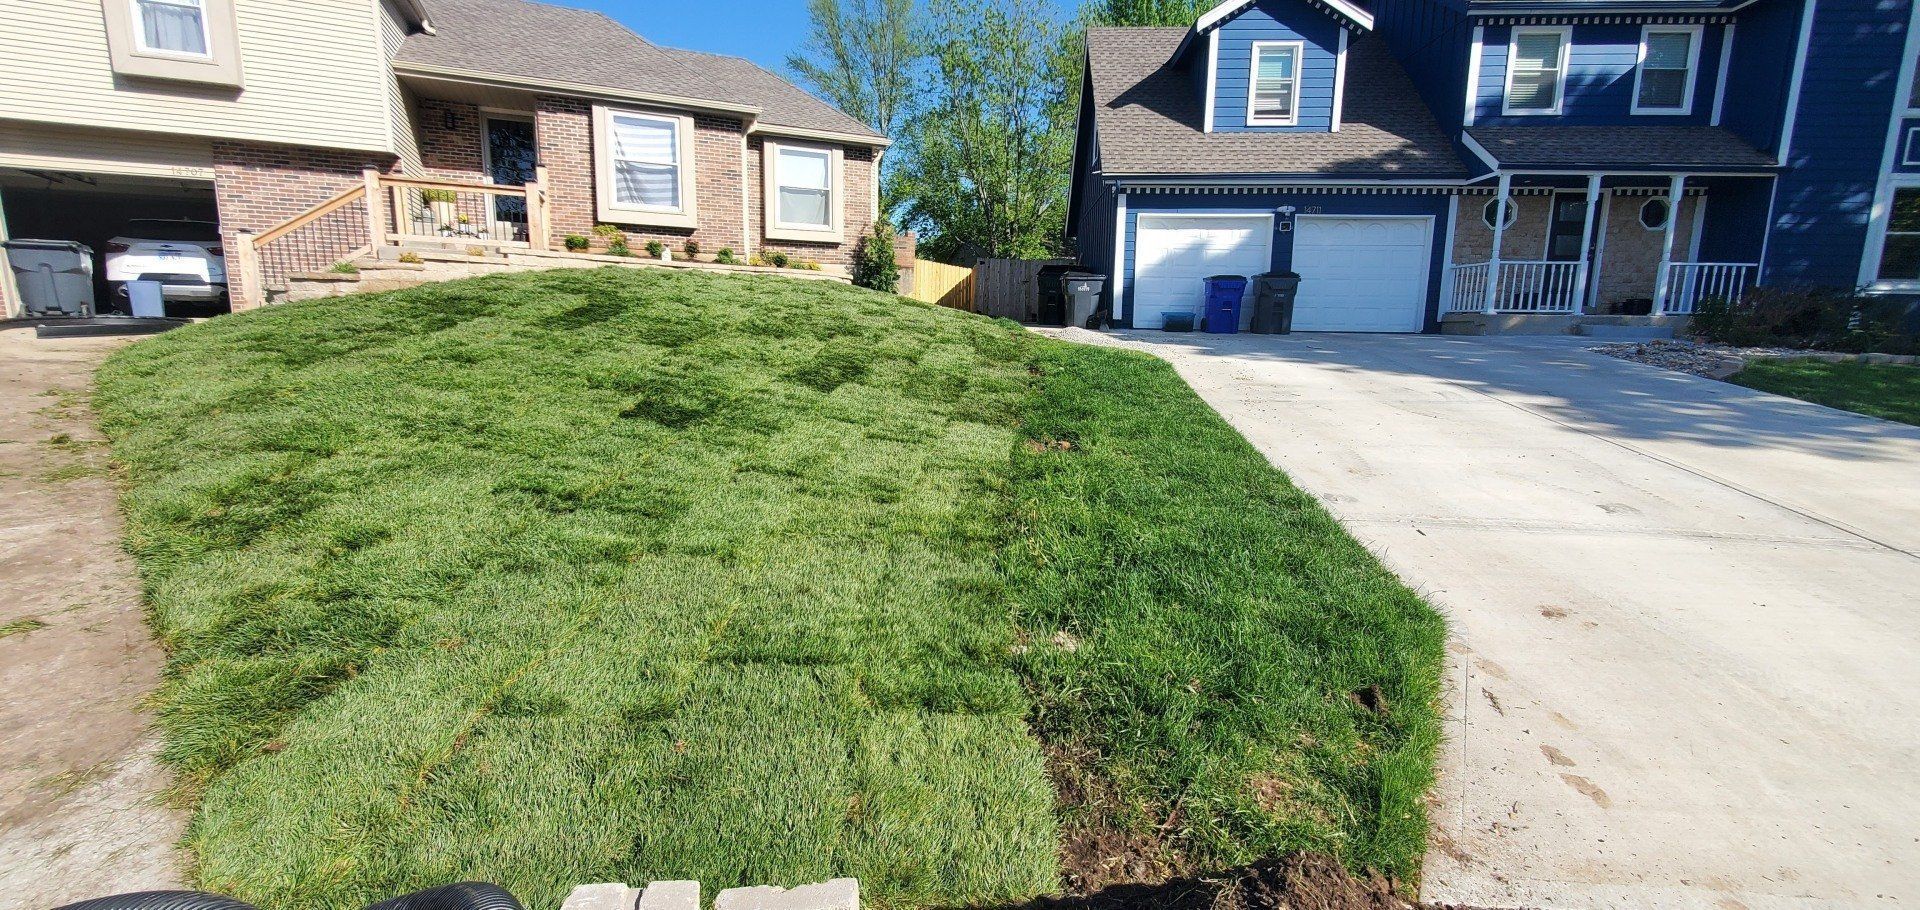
1883	390
624	575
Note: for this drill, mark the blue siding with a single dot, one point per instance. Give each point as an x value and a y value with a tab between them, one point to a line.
1433	42
1846	104
1601	64
1736	224
1311	203
1277	20
1764	39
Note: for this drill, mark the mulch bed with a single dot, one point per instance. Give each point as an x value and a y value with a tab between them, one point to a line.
1714	361
1297	881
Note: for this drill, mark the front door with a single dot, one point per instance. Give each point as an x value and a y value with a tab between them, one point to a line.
510	161
1565	233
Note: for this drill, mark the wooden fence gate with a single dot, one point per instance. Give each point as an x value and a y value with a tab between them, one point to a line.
1010	288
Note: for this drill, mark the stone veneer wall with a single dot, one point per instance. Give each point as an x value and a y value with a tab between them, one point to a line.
259	185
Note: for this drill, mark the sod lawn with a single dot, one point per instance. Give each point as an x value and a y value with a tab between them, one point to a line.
1883	390
626	575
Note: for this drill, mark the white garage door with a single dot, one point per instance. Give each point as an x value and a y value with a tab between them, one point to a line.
1174	254
1361	274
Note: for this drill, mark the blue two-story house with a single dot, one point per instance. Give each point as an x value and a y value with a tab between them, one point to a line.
1423	163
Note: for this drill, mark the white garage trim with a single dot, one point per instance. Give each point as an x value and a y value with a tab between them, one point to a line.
1145	222
1426	260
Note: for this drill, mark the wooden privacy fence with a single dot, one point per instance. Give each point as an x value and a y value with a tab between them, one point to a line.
946	285
1010	288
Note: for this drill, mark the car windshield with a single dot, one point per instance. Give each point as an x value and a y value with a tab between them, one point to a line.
156	229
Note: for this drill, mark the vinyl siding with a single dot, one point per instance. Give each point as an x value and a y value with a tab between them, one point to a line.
406	142
42	147
1306	202
1433	41
1600	82
1825	195
1764	39
1277	20
313	75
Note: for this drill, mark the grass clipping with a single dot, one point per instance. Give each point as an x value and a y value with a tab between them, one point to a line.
620	576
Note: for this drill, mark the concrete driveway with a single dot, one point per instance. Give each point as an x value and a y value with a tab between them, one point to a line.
1686	615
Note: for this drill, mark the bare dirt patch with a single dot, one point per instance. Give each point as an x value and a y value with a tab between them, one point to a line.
80	808
1298	881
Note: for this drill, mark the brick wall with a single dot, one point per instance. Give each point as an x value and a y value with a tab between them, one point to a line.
858	200
564	131
451	152
258	185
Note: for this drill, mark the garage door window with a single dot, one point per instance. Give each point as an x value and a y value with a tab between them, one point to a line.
177	27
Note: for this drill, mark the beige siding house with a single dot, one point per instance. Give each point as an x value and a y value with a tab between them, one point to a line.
256	112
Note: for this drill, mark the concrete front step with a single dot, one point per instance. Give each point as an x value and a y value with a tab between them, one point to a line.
1623	328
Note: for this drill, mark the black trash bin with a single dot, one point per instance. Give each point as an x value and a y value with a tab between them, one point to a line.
1081	293
1273	296
1053	299
55	277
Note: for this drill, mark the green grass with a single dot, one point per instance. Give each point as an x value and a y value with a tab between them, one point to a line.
21	627
1887	391
617	575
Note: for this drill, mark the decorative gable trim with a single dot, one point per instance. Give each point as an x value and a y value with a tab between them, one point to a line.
1604	20
1214	18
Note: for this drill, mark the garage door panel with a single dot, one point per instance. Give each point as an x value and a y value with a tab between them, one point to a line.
1362	274
1173	255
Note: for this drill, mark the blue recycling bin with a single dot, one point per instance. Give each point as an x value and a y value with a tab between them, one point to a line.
1223	303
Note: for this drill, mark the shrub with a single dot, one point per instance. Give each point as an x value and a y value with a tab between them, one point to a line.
691	248
476	251
618	248
345	268
725	256
808	265
655	248
609	232
778	259
577	243
1713	318
410	257
755	259
873	265
1827	319
430	196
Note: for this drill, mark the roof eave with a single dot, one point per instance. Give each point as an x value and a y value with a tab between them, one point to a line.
416	14
578	89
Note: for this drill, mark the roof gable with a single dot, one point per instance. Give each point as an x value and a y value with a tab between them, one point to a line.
1340	9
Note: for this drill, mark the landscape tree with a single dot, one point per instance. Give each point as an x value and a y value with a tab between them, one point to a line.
990	152
1144	12
861	56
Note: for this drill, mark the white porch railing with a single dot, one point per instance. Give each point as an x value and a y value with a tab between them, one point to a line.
1688	283
1525	286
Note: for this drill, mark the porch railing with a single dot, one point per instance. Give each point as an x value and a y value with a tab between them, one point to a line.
390	210
1688	283
1520	286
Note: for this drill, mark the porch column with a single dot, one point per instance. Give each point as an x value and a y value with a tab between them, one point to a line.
1675	192
1581	274
1499	232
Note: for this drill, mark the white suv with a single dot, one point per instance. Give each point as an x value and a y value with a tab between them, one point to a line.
183	255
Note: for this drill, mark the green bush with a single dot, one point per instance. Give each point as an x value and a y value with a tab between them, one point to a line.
577	242
778	259
873	265
655	248
608	231
1814	318
725	256
618	248
691	248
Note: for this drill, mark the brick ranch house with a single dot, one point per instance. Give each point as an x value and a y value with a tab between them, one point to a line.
255	113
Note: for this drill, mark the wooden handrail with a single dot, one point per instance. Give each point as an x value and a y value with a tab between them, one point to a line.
345	197
496	189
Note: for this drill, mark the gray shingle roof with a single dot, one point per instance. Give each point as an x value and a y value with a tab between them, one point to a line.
1150	119
518	38
1649	148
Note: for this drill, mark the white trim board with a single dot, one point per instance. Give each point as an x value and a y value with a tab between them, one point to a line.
1872	251
1339	80
1720	83
1473	74
1224	11
1788	122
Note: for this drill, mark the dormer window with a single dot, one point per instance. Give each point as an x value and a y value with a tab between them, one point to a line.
1536	71
1664	81
1273	89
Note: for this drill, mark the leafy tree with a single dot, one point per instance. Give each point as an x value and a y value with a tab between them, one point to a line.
990	155
873	265
861	56
1144	12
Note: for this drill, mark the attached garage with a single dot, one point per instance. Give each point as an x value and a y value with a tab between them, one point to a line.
1362	273
1364	270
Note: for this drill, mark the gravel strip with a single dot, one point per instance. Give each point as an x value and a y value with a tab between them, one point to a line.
1714	361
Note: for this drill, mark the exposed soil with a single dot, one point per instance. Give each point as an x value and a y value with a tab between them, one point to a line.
80	808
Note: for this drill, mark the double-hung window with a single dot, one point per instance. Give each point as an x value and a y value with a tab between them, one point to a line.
177	27
1536	71
805	189
644	168
1900	253
1273	86
1669	56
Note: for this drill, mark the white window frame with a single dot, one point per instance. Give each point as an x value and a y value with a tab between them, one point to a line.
140	30
776	229
609	208
1640	214
1511	213
1565	34
1299	49
1694	34
1879	247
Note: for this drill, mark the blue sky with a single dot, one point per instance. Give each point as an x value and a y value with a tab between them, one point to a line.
764	31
